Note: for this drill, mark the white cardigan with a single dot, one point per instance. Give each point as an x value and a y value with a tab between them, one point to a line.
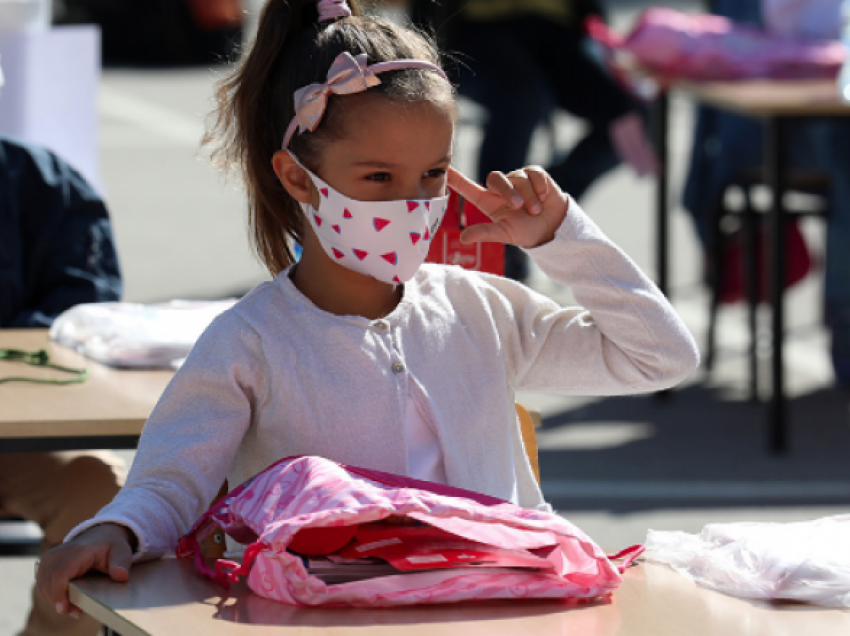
275	376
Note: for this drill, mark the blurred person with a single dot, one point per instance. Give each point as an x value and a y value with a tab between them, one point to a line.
522	59
56	250
161	32
726	144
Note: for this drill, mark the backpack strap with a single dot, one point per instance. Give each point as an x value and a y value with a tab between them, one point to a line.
628	555
227	572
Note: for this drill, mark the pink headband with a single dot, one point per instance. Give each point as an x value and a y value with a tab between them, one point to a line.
347	75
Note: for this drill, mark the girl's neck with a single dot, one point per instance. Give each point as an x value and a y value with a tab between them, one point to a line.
342	292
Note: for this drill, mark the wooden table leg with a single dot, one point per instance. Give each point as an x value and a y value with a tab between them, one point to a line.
775	161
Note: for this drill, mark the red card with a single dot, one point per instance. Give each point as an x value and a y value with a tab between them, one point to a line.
447	248
424	547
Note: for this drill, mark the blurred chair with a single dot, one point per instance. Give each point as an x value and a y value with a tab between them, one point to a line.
529	421
748	255
727	157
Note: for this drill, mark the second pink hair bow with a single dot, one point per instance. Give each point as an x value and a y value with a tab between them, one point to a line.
347	74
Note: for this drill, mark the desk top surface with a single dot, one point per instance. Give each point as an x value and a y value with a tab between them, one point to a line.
109	402
170	597
764	97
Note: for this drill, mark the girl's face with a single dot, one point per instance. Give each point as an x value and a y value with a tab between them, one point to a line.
390	151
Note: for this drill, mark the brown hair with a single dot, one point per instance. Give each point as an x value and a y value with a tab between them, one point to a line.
255	104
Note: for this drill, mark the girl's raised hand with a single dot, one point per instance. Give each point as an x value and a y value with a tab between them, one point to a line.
526	206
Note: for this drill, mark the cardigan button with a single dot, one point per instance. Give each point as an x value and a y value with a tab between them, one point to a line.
380	326
398	367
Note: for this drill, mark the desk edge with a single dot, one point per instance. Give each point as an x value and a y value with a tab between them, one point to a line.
101	613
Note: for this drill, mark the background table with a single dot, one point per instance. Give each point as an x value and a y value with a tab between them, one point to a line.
108	410
170	597
777	102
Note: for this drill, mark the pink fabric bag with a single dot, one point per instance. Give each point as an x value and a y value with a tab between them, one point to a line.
311	492
699	46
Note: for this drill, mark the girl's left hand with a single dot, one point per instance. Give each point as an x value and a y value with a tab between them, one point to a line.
526	206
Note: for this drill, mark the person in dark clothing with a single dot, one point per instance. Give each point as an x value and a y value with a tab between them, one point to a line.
56	251
160	32
56	245
522	60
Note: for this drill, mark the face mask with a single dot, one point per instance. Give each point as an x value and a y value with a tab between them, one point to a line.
387	240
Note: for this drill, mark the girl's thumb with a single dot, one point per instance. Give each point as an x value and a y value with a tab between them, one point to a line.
120	560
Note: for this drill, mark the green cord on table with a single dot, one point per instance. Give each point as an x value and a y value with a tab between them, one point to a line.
40	358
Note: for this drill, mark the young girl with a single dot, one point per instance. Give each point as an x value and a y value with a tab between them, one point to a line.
358	352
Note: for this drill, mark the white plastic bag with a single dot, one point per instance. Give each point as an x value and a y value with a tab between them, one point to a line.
135	335
807	561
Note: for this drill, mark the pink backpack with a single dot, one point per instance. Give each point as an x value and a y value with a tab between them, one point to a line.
326	501
699	46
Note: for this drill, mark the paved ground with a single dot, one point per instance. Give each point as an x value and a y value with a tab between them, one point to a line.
615	466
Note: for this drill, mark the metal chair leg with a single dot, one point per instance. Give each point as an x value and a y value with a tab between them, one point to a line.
750	239
715	274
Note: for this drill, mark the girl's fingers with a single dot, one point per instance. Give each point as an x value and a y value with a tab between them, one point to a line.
540	181
526	188
499	184
525	206
484	200
463	185
120	560
53	582
103	548
522	184
485	233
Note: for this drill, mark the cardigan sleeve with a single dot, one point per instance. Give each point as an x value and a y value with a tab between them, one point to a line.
624	338
189	442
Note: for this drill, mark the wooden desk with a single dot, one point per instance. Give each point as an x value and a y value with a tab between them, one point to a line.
106	411
777	102
170	597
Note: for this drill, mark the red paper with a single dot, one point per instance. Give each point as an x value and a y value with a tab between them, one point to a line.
447	248
423	547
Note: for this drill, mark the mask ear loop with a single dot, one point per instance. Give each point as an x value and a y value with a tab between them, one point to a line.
40	358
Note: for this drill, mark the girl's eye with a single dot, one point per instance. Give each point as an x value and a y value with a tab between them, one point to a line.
436	173
379	176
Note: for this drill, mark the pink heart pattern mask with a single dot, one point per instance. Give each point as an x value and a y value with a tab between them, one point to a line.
387	240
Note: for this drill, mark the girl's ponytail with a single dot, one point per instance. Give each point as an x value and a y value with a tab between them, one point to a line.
252	105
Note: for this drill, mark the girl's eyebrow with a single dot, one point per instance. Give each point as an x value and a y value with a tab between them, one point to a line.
374	164
385	165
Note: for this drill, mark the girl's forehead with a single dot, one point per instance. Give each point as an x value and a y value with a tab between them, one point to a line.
377	108
373	123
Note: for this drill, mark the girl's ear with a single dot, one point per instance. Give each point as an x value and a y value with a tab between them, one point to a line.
292	177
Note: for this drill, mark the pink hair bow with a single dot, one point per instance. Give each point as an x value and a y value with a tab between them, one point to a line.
345	76
348	74
332	9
